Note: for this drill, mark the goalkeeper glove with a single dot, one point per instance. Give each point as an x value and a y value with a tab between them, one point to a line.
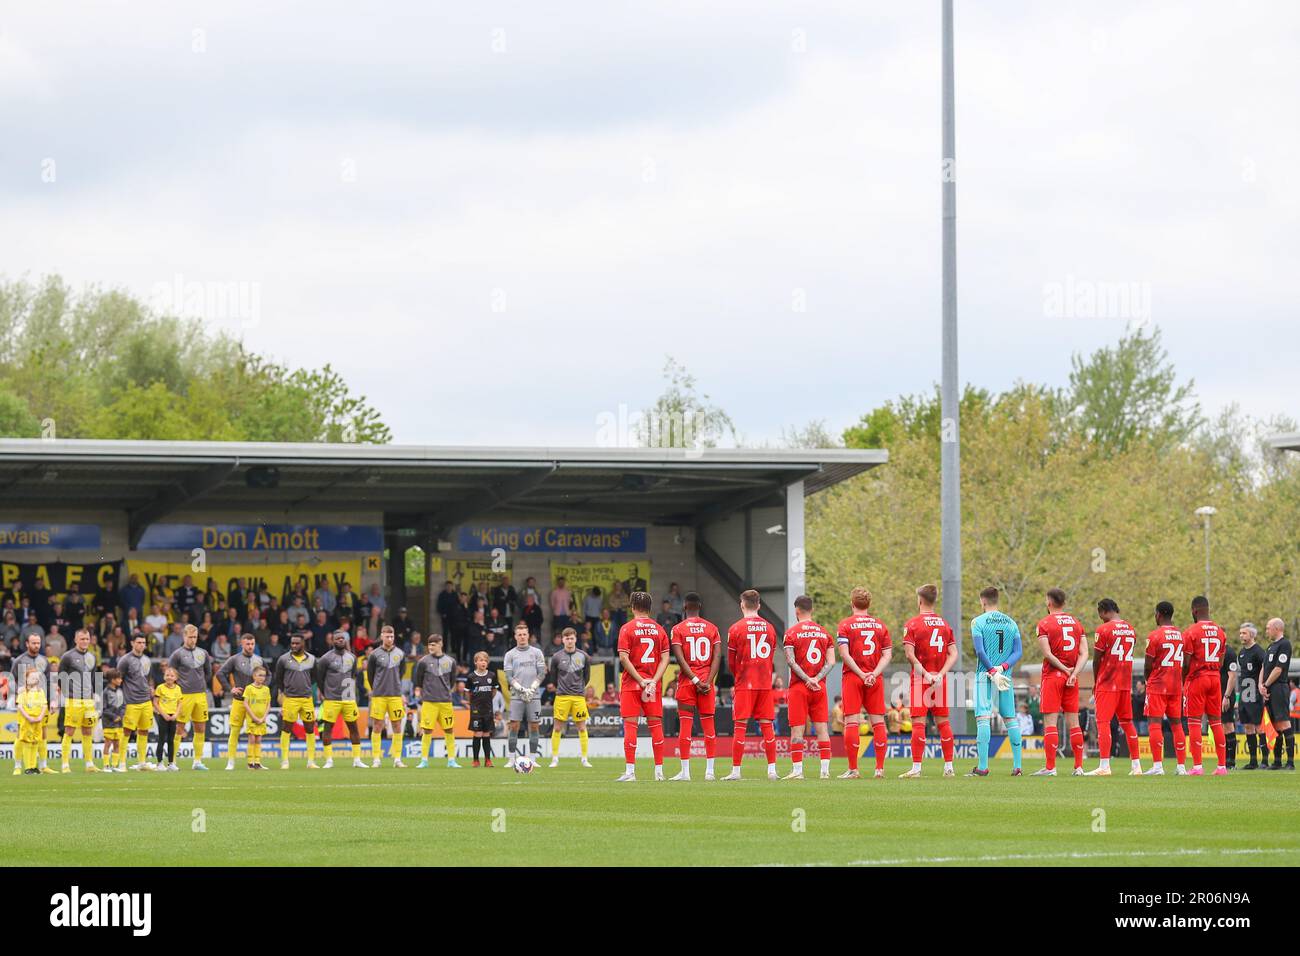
1002	681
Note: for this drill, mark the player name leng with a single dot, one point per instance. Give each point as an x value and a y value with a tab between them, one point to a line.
75	909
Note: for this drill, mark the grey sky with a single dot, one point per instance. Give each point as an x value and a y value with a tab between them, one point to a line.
498	221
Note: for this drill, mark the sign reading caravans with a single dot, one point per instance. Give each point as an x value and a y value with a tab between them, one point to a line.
262	537
550	538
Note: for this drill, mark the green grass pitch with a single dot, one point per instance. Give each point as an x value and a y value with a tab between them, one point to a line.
347	816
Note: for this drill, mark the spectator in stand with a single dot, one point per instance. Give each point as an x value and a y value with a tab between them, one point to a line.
532	615
227	623
610	697
676	601
221	646
105	599
175	639
323	597
446	605
9	629
837	716
375	620
1026	720
55	644
74	606
592	606
617	606
530	587
298	614
275	648
604	636
593	701
157	619
346	607
319	641
132	623
59	619
104	626
402	625
1140	707
894	717
376	599
474	631
32	626
667	618
495	635
462	613
561	598
505	600
362	642
212	597
187	596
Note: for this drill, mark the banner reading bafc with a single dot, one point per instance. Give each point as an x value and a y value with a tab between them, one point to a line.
280	579
59	576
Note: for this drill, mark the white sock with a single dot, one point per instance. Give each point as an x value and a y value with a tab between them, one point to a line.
771	768
631	768
708	765
1105	763
947	765
1136	763
826	765
916	765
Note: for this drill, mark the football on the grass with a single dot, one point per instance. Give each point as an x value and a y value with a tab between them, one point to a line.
524	765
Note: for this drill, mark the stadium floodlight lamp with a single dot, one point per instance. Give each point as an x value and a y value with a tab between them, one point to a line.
1207	511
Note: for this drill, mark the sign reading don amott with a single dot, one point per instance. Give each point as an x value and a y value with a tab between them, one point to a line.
549	538
261	537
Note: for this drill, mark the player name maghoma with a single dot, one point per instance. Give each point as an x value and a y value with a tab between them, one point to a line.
77	909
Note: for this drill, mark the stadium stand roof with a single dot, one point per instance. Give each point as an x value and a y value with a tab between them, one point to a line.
419	488
1286	441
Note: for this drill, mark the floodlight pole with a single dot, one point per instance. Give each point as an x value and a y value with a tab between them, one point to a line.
950	460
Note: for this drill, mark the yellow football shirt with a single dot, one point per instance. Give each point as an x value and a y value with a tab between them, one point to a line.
169	699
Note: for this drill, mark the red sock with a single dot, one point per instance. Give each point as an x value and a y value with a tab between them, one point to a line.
1130	737
1050	736
880	736
1157	736
1180	742
1220	744
796	752
851	744
1194	735
1103	739
769	742
1076	745
657	742
738	744
629	741
710	741
824	749
945	739
918	741
684	737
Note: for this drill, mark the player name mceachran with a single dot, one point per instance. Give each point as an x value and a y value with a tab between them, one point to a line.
77	909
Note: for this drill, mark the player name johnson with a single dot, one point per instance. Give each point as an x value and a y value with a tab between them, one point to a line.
74	909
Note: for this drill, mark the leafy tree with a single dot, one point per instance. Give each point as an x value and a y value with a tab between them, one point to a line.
682	416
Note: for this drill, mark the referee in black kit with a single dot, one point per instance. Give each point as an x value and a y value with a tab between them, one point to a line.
1250	670
1275	688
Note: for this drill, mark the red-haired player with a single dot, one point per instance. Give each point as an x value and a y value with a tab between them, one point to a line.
931	649
697	648
865	650
643	652
810	653
1065	652
751	642
1203	644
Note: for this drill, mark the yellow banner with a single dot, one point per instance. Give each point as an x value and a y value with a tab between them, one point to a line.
280	577
481	573
581	578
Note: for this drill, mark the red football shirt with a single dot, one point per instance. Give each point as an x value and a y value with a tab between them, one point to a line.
699	641
866	638
930	637
811	646
1165	646
1203	647
1064	635
646	644
751	642
1115	639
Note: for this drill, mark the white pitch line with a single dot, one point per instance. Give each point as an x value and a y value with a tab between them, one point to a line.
1038	857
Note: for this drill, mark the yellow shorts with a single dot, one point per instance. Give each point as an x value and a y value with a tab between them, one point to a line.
331	709
295	708
29	733
256	730
434	715
194	707
79	713
381	707
570	706
138	716
113	733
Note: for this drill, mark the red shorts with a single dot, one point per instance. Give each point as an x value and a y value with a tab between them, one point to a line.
754	703
859	697
631	704
931	698
1113	703
689	696
1165	705
1057	698
1204	695
803	704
